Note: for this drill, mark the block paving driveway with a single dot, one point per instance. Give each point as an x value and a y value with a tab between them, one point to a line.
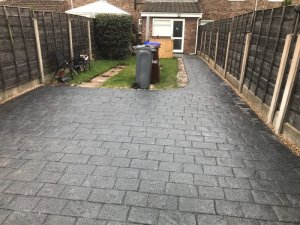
190	156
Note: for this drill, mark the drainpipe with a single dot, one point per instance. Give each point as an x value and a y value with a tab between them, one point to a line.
256	3
197	33
71	4
147	28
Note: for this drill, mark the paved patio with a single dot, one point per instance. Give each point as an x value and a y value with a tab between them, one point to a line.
189	156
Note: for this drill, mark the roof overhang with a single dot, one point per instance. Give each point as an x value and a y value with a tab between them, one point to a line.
171	15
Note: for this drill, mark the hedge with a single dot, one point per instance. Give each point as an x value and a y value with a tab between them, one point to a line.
113	35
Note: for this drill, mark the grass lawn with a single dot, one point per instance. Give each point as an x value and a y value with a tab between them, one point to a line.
97	68
125	79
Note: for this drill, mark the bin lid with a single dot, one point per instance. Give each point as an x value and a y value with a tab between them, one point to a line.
145	47
157	44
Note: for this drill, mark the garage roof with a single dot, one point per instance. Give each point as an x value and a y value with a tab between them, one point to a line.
172	7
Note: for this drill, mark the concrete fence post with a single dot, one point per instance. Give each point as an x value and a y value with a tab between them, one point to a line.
39	50
289	87
279	79
70	37
244	62
216	50
201	44
90	39
227	54
209	46
204	46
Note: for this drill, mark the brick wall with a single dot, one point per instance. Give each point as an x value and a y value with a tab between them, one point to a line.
220	9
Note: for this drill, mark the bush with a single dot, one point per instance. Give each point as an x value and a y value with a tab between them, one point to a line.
286	3
113	35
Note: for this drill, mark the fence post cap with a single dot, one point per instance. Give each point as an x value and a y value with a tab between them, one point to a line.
297	8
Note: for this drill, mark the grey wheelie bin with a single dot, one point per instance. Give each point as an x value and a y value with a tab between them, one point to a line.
144	58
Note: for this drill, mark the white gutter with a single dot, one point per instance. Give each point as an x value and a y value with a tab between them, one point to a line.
197	33
170	15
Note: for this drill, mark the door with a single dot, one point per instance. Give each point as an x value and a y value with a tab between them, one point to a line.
173	28
178	35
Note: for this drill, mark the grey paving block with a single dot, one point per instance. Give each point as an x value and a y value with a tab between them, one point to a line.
196	205
144	164
50	205
24	188
72	179
160	156
82	209
99	182
4	184
270	198
175	217
210	192
218	171
184	158
230	162
134	154
107	196
286	214
5	199
143	215
128	172
4	214
49	177
54	220
127	184
86	221
171	166
154	175
33	165
239	195
186	178
184	190
113	212
203	160
192	168
55	166
75	193
246	172
263	185
22	203
294	199
205	180
80	169
23	175
255	211
121	162
51	190
136	198
163	202
149	186
25	218
228	208
105	171
75	158
211	219
231	182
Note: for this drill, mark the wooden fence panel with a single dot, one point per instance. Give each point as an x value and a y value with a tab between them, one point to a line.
17	48
269	30
293	112
224	29
80	36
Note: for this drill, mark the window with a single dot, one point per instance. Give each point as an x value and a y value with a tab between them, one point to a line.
162	27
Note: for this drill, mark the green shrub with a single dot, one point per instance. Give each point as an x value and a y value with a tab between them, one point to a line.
113	35
287	3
